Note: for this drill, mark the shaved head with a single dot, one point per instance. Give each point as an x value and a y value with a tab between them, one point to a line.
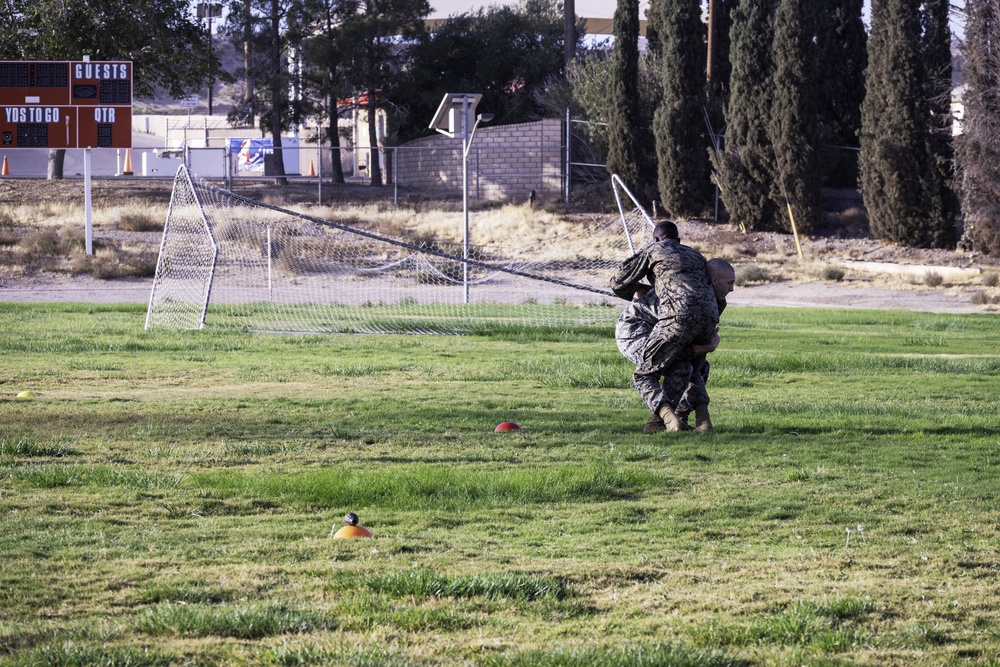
722	275
664	230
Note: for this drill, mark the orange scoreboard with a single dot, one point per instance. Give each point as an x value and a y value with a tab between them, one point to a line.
79	104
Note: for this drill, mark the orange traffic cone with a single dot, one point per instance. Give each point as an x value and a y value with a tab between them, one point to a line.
6	170
127	171
312	168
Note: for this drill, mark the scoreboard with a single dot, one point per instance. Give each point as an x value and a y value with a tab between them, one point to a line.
73	104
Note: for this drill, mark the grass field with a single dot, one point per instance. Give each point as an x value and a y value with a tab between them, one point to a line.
166	498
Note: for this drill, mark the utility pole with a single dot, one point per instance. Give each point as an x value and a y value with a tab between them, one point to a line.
710	68
569	31
209	11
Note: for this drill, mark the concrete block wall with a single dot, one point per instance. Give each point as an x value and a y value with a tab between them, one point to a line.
505	163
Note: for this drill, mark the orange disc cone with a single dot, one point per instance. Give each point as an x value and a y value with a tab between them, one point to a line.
128	163
6	170
312	168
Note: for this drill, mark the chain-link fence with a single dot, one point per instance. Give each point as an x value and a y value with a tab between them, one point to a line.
509	173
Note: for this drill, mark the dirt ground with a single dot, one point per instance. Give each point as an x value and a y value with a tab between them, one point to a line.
875	275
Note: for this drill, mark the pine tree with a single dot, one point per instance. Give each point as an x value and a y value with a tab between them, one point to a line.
679	123
745	168
978	148
624	150
899	180
842	57
793	129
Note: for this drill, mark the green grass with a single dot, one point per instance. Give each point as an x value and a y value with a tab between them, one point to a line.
167	498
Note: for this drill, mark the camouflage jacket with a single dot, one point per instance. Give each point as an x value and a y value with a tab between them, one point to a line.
638	318
678	275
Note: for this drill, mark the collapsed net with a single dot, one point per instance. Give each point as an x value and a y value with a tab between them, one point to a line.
230	262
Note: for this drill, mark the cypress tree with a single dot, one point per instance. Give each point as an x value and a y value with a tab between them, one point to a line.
718	88
793	129
842	57
978	148
899	180
624	151
679	123
937	86
744	167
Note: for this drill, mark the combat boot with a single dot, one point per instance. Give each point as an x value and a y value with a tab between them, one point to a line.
670	420
703	424
654	424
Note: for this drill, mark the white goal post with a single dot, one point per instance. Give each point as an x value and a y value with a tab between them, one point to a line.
231	262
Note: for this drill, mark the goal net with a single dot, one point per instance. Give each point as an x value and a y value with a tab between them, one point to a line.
230	262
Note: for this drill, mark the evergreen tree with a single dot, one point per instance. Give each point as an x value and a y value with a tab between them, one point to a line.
512	54
745	167
324	64
936	51
793	130
978	148
625	153
842	57
899	180
721	68
679	122
379	38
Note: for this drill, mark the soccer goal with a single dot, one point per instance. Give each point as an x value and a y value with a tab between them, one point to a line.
230	262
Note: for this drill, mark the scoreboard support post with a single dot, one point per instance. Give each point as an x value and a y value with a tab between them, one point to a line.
87	201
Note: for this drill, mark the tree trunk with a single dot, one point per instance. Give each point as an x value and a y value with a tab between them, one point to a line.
57	160
278	92
333	131
338	166
248	60
374	166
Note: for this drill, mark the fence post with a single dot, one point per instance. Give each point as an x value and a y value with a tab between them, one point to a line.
568	157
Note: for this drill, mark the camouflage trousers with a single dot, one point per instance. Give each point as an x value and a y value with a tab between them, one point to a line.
667	355
697	370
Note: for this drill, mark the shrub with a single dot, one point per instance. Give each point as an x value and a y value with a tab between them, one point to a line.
833	273
8	237
116	263
138	221
754	274
980	298
40	242
7	218
933	279
990	279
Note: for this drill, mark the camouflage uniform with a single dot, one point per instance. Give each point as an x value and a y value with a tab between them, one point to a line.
688	311
631	333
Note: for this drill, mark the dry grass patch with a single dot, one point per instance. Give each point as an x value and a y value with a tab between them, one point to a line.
135	217
111	262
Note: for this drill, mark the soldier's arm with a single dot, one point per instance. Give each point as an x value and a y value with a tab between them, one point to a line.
628	278
703	349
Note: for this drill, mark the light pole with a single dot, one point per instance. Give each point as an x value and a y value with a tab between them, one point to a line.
452	120
208	10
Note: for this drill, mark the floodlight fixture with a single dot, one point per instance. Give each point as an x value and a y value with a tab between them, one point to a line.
453	114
